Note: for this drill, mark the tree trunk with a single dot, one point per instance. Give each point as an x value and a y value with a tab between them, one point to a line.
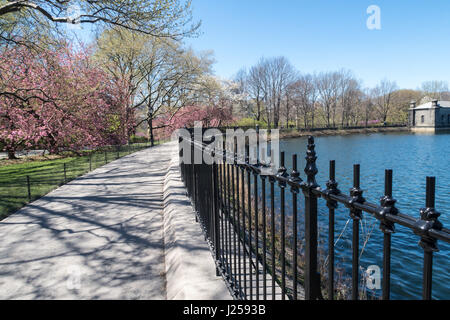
275	119
367	118
258	110
328	116
287	114
150	131
276	114
334	117
269	119
11	154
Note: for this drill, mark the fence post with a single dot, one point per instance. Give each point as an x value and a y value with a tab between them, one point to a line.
294	181
356	197
312	277
118	151
106	157
194	180
332	205
65	175
216	213
428	220
90	161
282	173
29	188
387	227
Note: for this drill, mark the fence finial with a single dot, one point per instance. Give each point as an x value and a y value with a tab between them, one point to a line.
356	194
388	204
282	172
428	220
332	187
311	169
294	178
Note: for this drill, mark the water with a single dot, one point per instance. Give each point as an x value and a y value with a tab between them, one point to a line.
412	158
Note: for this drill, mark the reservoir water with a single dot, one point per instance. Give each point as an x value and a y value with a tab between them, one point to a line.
412	157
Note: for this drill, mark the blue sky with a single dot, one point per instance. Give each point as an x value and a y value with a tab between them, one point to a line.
321	35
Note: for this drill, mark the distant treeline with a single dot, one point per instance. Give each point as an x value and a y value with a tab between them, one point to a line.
275	94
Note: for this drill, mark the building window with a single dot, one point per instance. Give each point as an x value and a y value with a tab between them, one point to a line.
422	119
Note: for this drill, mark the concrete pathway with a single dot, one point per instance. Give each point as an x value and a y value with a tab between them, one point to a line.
190	268
98	237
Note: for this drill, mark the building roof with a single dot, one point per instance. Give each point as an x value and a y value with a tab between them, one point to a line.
428	105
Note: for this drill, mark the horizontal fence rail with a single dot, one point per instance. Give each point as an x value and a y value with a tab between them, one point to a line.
293	128
256	247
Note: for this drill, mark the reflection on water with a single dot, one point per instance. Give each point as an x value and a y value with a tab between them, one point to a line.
412	158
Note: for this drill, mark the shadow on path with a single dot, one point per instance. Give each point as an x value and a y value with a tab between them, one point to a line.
98	237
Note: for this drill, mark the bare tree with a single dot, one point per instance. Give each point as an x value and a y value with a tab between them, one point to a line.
435	89
367	105
256	88
289	102
306	94
328	89
241	93
277	73
169	81
348	90
314	96
160	74
384	92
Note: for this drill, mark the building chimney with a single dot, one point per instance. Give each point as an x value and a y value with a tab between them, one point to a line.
434	103
413	104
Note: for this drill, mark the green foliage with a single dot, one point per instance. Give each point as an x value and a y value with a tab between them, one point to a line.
138	139
13	183
114	122
47	175
36	18
249	122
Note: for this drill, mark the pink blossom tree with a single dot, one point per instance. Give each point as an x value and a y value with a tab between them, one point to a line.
210	116
57	100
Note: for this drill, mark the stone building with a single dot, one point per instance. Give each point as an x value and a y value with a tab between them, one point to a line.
430	117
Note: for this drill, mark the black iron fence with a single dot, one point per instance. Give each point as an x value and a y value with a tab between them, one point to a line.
246	227
293	128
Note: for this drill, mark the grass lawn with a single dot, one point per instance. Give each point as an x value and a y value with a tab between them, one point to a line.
46	175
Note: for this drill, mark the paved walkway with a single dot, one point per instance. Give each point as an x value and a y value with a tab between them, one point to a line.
98	237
